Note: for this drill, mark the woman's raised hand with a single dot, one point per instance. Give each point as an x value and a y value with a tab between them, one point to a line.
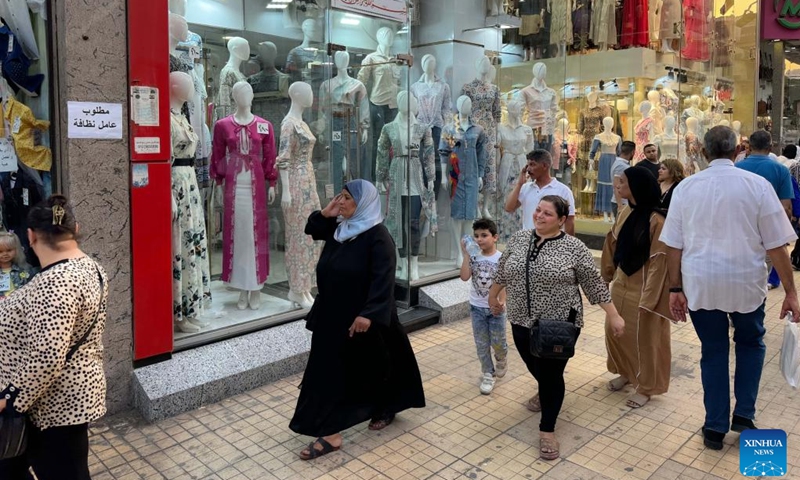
332	210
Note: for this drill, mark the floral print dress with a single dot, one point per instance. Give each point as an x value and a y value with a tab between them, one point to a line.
294	156
486	112
191	276
515	143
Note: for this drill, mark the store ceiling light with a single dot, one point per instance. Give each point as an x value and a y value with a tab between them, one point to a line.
277	6
350	21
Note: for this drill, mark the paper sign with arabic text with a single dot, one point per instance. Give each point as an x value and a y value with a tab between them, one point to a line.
95	120
391	9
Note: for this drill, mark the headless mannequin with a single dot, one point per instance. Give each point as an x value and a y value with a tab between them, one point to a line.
461	227
302	99
656	112
495	7
406	119
243	99
181	90
608	137
356	97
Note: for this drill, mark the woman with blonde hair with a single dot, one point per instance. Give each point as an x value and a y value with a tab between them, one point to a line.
670	174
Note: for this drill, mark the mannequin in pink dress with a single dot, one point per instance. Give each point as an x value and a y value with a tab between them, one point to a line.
642	131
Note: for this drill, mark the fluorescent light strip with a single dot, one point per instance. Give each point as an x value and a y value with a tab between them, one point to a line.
350	21
280	6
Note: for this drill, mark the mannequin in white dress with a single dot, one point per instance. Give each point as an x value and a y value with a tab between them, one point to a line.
667	141
495	7
657	112
692	110
515	140
239	51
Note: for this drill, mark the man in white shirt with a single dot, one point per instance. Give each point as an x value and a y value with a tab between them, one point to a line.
527	194
622	162
721	224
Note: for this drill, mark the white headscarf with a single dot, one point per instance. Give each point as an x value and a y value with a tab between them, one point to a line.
367	214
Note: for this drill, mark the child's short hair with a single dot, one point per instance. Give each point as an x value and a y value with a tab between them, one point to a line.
10	240
485	224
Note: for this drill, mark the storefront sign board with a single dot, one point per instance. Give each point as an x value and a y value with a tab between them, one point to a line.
390	9
780	19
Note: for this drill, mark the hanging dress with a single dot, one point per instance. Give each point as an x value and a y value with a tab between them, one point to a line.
635	27
604	25
486	112
698	30
515	143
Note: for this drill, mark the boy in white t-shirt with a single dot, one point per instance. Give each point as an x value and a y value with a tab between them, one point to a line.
488	329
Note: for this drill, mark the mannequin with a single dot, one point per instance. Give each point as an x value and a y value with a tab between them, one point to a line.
564	152
590	121
383	81
692	110
178	32
299	58
486	112
561	24
405	159
608	144
657	112
643	131
603	31
736	125
714	114
299	196
239	51
667	142
243	157
670	23
435	104
495	7
463	150
724	123
515	140
269	79
695	160
191	285
345	98
541	104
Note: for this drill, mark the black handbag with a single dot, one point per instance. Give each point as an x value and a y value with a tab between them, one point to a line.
14	426
554	339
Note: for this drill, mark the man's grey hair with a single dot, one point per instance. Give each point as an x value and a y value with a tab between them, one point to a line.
761	141
720	142
540	156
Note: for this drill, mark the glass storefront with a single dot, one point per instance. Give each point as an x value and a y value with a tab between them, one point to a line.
292	99
604	72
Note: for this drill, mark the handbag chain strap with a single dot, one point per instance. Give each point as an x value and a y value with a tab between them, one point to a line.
531	256
85	336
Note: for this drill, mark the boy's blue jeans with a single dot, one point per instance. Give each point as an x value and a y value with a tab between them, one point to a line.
490	334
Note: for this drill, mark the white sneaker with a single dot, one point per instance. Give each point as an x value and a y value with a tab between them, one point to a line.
501	368
487	384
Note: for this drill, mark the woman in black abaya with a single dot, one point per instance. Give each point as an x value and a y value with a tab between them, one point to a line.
361	366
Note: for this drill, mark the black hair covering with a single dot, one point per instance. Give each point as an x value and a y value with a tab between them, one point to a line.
633	243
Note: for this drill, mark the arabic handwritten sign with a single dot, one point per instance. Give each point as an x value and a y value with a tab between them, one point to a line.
392	9
95	120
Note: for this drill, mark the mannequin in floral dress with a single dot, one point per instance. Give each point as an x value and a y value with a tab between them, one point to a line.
695	160
486	113
299	195
642	131
516	140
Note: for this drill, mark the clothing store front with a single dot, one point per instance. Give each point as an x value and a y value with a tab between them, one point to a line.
590	75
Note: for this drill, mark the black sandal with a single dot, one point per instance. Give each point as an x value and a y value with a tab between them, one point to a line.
380	423
314	453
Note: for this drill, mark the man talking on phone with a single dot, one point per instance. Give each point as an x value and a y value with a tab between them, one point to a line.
526	194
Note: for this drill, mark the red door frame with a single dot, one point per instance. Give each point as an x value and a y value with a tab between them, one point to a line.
151	215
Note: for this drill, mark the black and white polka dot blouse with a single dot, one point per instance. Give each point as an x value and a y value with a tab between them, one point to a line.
39	323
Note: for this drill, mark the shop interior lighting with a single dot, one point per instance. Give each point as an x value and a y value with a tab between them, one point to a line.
350	21
277	6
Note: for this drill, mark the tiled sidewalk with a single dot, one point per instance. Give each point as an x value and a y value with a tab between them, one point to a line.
461	433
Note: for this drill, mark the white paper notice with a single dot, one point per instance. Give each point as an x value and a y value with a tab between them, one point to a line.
147	145
95	120
8	157
144	106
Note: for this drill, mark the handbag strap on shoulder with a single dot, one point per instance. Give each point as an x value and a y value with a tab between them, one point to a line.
85	336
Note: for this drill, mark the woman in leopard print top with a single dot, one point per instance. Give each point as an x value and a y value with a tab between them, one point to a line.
559	264
39	324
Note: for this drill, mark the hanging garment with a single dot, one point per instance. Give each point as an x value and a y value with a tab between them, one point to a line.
16	64
15	14
297	145
671	18
515	143
469	151
581	24
668	145
603	29
698	30
590	123
642	131
635	27
244	153
561	22
406	175
20	193
486	112
23	131
434	102
191	275
228	77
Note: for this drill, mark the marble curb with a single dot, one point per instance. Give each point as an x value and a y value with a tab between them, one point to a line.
451	298
214	372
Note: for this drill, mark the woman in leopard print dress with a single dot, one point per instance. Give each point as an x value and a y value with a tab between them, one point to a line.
546	288
46	371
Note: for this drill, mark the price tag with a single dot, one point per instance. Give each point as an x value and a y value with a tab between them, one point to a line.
10	43
5	282
337	136
263	128
17	125
26	200
195	52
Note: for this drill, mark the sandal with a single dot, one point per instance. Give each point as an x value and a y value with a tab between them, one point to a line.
534	405
617	384
637	400
311	453
548	449
381	422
